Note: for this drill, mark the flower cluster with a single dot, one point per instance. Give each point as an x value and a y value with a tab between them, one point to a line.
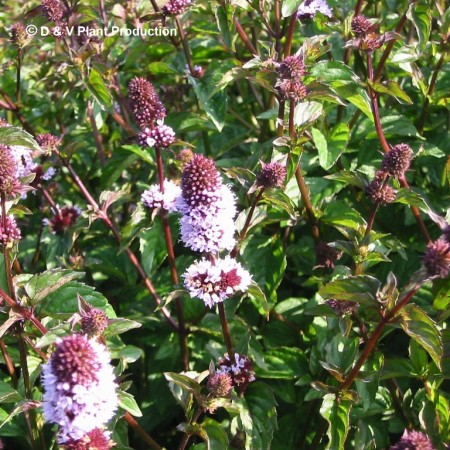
149	113
96	439
379	191
18	34
289	84
63	219
342	307
437	258
154	198
413	440
80	389
213	282
271	175
240	370
93	322
53	10
9	231
309	8
175	7
220	384
366	37
9	182
207	207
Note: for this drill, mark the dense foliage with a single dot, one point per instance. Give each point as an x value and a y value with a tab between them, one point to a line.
240	208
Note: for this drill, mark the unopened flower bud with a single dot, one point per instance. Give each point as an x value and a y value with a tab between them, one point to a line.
437	259
220	384
396	162
413	440
93	322
53	10
379	191
10	233
271	175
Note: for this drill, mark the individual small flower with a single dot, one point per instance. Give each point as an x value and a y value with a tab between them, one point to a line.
413	440
215	282
80	389
53	10
396	162
198	72
360	26
48	142
145	103
9	184
153	197
93	322
63	219
96	439
342	307
379	191
18	34
10	233
326	256
271	175
175	7
437	259
158	136
291	67
220	384
309	8
240	370
291	89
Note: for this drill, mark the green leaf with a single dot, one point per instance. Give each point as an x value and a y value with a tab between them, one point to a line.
266	260
344	82
153	247
43	284
128	403
411	198
420	15
336	412
97	88
259	299
289	7
63	302
306	113
120	325
224	16
393	89
214	435
284	363
330	148
359	289
17	136
8	394
143	154
339	213
423	330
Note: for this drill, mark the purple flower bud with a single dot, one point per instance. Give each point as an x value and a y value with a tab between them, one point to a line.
53	10
175	7
93	322
64	219
361	26
379	191
291	67
291	89
18	34
271	175
437	259
396	162
413	440
158	136
48	142
10	233
144	102
342	307
9	184
220	384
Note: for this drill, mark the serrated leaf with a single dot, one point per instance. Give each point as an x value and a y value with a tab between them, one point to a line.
63	302
348	177
393	89
8	394
420	327
120	325
128	403
289	7
98	89
214	435
143	154
411	198
336	411
43	284
17	136
259	299
359	289
306	113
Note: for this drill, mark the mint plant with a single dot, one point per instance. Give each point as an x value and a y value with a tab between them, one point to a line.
224	225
